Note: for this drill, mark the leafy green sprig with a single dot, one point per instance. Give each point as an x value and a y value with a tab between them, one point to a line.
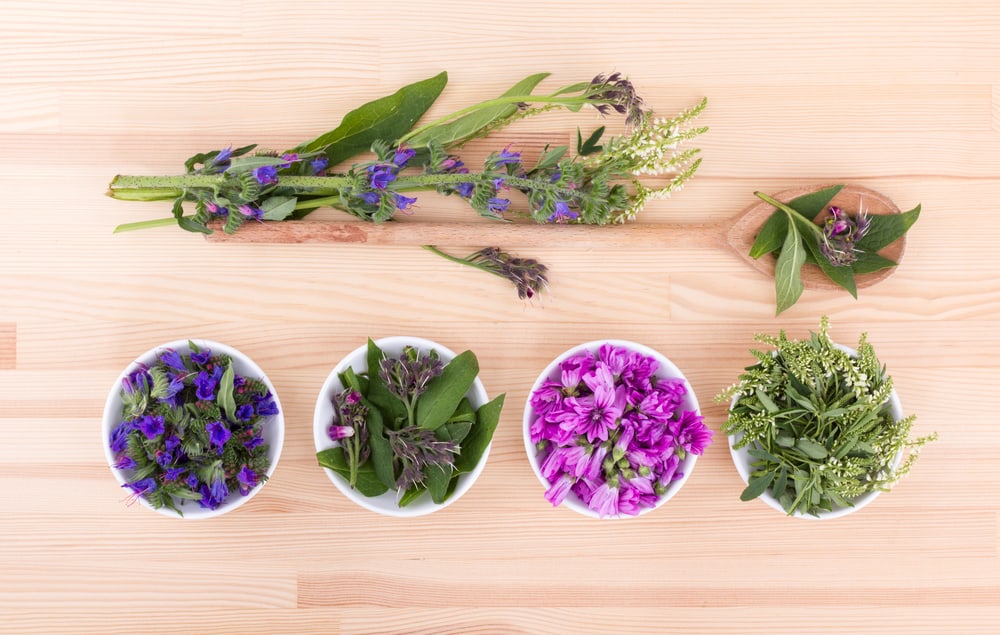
818	424
792	233
420	432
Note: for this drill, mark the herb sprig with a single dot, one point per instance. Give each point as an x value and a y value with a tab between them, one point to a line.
809	231
818	423
192	429
406	425
599	184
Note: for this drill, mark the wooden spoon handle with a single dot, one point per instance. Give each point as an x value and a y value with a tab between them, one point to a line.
661	235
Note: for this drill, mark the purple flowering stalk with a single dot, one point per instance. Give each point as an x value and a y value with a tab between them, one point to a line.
191	430
598	184
611	432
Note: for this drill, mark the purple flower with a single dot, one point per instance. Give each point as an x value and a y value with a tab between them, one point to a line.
119	436
173	359
403	203
691	433
245	412
266	174
290	158
254	441
175	385
318	164
192	481
216	210
605	501
151	426
841	234
251	212
247	479
465	189
218	434
164	458
498	206
201	357
506	157
266	406
212	497
594	415
125	462
381	175
574	368
336	432
142	487
403	156
562	214
173	473
372	198
556	494
136	381
205	383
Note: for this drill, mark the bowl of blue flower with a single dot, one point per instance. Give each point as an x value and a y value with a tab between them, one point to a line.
403	425
192	429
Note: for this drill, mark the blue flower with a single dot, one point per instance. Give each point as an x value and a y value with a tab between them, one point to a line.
171	442
266	406
119	436
465	189
222	160
266	174
319	164
216	210
563	213
372	198
218	434
151	426
172	359
143	486
255	441
404	202
136	381
506	157
251	212
381	176
212	497
125	462
290	158
245	412
403	156
205	383
202	357
192	481
163	459
498	205
247	479
174	473
173	388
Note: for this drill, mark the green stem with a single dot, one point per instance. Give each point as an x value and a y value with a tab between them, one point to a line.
456	259
489	103
790	211
146	224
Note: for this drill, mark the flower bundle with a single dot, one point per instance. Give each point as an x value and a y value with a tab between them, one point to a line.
597	184
405	425
612	432
191	429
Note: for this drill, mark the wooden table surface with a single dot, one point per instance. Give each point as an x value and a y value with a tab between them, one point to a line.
901	96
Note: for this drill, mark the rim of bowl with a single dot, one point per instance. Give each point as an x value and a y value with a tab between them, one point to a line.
667	370
741	459
385	504
242	363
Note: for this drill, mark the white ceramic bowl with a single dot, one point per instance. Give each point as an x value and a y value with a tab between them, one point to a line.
273	429
323	417
742	460
666	370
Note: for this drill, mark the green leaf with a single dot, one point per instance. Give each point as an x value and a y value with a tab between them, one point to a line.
191	225
780	483
590	146
886	229
278	207
245	164
367	483
550	158
411	495
843	276
788	270
470	125
225	398
766	401
381	450
445	392
757	486
387	118
810	205
437	479
475	444
771	235
392	407
811	449
868	262
455	430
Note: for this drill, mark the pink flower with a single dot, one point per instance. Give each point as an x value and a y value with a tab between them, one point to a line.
691	432
605	500
556	494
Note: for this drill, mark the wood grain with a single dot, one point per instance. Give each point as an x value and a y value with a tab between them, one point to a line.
900	97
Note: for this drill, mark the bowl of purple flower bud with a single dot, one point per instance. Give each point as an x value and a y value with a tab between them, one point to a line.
612	429
403	425
192	428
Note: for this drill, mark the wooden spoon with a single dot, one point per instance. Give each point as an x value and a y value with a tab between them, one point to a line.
736	234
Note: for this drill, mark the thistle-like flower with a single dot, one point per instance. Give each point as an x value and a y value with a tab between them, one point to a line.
526	274
417	448
408	375
618	94
841	234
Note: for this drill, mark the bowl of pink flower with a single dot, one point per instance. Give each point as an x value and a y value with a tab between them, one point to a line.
612	429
